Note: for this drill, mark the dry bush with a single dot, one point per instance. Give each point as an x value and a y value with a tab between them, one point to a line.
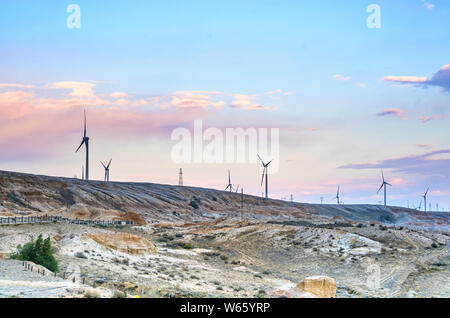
91	293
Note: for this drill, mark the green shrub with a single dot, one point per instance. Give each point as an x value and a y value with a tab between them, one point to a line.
194	204
39	252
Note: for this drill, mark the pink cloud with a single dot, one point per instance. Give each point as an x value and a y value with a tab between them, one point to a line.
391	112
77	89
440	79
118	95
246	102
405	79
340	77
433	117
15	85
428	5
424	146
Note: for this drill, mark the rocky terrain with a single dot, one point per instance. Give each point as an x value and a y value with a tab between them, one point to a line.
207	243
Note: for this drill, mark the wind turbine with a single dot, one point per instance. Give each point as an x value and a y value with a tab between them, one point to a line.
337	195
384	184
106	170
85	141
264	174
237	189
425	199
229	186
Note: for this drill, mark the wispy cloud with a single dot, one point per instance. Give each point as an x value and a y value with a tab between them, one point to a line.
424	146
246	102
391	112
118	95
433	117
340	77
15	85
428	5
276	91
77	89
424	164
441	79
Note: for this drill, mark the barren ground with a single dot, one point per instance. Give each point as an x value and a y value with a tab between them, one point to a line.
199	242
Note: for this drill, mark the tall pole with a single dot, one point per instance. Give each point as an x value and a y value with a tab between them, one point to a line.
385	194
180	179
425	199
87	159
267	185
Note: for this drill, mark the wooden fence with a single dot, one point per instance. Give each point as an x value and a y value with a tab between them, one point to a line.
57	219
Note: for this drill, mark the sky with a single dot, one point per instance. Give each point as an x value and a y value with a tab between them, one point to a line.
348	100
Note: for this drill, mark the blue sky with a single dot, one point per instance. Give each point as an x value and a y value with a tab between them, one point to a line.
313	66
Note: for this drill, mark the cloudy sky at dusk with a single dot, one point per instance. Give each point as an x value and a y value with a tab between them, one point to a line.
348	100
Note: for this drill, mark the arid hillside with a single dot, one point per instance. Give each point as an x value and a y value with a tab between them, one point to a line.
74	198
198	242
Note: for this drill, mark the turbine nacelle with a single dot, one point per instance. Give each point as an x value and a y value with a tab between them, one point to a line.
106	169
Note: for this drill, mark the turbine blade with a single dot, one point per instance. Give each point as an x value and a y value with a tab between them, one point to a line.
382	174
261	160
103	165
109	163
389	184
80	146
380	188
85	123
269	163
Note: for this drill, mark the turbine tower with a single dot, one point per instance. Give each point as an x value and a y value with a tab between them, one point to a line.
180	177
229	186
85	141
106	170
425	199
384	184
264	174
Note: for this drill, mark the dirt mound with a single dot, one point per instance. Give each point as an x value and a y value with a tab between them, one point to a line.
92	213
320	286
132	216
123	242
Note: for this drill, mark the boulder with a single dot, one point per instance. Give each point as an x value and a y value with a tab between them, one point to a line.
320	286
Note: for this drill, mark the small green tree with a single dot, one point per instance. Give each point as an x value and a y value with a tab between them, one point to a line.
39	252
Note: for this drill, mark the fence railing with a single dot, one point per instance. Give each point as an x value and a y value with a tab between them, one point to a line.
58	219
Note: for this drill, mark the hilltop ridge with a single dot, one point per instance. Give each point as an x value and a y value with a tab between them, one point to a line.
27	193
